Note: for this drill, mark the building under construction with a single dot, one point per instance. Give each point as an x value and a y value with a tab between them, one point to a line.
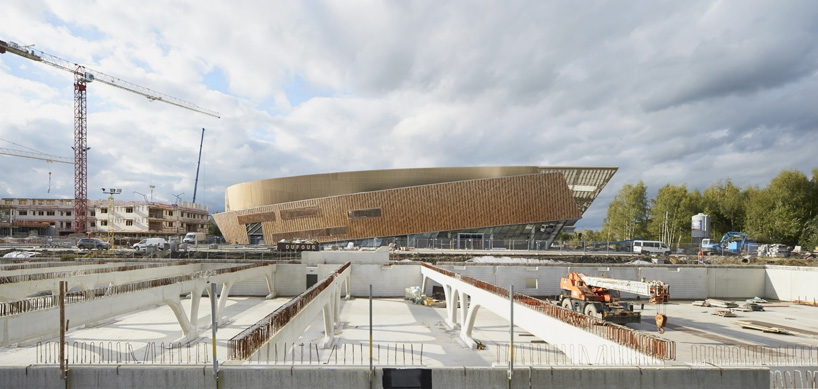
54	217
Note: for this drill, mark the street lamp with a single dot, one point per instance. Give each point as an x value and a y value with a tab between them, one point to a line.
111	192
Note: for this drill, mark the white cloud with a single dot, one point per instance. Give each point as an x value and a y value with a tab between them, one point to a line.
682	94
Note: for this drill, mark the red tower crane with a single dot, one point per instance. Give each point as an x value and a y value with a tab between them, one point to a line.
82	77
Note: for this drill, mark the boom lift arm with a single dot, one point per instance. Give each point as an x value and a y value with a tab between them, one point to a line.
599	296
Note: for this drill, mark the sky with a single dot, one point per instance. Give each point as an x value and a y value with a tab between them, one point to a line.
670	92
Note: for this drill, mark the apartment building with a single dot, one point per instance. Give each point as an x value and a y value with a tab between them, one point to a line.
56	217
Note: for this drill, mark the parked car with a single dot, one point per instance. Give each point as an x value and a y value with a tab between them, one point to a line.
92	243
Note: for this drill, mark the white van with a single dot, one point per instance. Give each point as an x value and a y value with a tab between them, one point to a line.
650	247
159	243
195	237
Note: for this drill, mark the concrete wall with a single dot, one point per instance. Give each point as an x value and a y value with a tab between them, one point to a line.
690	282
291	279
790	283
387	281
312	258
735	282
258	376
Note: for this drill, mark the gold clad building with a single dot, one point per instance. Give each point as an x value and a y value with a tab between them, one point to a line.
464	207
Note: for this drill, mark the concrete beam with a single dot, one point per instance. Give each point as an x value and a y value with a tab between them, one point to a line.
547	328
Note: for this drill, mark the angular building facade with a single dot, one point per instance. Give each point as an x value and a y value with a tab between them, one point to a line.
466	207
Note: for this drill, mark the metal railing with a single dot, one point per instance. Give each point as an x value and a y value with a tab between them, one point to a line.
346	354
794	379
537	354
750	355
48	302
641	342
84	272
116	353
246	343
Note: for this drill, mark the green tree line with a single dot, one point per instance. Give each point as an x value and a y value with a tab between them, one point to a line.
786	211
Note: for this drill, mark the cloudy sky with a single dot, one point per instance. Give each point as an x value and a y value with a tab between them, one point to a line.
670	92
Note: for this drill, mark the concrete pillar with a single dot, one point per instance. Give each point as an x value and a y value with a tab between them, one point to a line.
329	332
451	306
336	313
346	283
464	302
188	331
423	286
270	277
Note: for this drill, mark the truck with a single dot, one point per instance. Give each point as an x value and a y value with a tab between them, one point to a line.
731	243
195	237
600	297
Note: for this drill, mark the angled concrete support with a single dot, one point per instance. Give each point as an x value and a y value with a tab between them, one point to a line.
329	331
464	303
270	277
188	330
468	325
195	298
220	319
346	284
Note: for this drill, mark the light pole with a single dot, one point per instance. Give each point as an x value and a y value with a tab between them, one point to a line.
111	192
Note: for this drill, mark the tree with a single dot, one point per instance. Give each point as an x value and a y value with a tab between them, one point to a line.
779	212
809	235
670	214
628	213
726	206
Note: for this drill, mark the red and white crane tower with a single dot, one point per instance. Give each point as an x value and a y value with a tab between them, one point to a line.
83	76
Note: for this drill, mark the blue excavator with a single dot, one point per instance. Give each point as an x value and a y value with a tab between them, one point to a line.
731	243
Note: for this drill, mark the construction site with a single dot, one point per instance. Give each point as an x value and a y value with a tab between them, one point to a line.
394	291
362	319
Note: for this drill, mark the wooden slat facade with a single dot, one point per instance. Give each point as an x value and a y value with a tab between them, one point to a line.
521	199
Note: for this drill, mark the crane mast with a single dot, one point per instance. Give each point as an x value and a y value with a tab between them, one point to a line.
82	77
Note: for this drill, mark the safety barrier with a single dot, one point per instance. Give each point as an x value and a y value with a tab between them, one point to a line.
540	354
83	272
48	302
750	355
644	343
247	342
346	354
794	379
116	353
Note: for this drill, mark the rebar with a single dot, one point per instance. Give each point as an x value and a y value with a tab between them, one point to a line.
754	355
250	340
